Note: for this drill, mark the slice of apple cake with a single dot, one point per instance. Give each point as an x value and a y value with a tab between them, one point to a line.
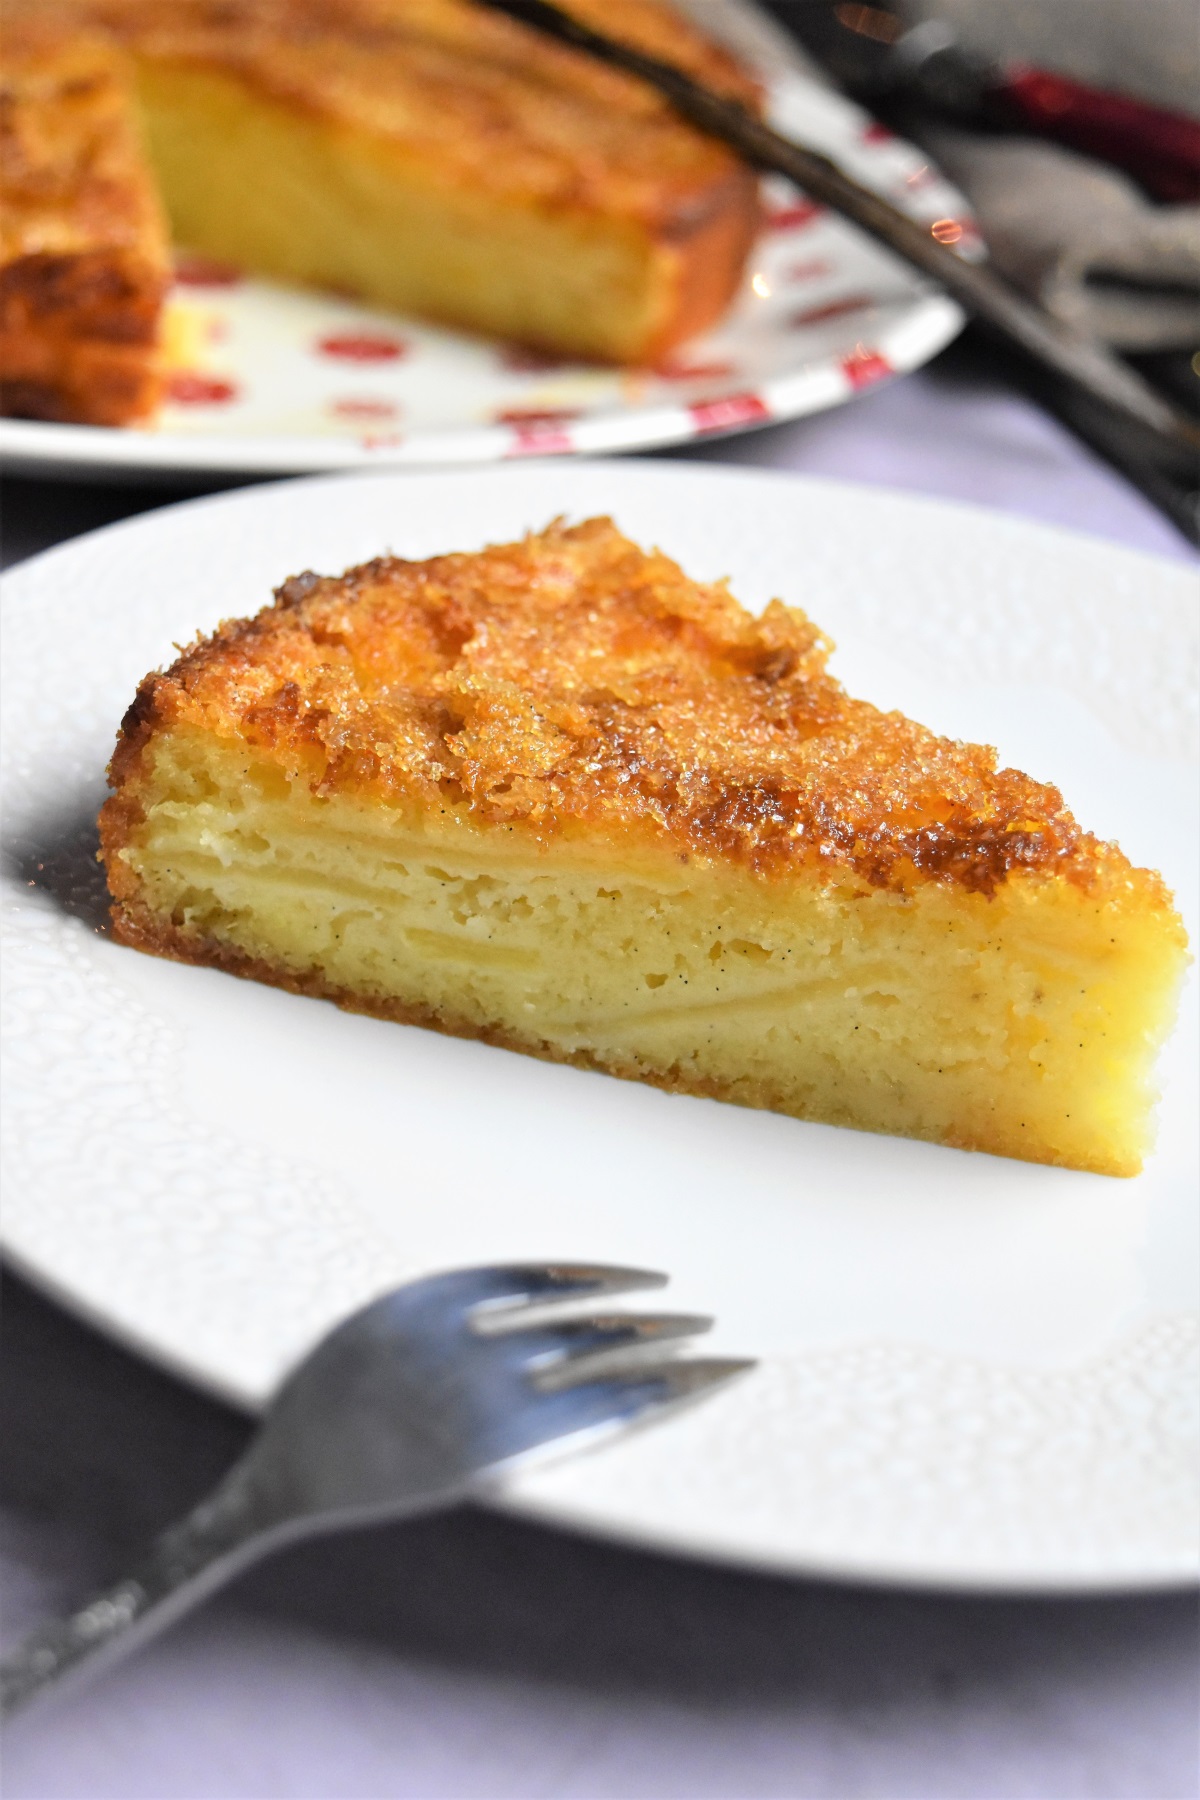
558	796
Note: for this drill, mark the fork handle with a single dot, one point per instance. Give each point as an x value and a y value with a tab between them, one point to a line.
187	1562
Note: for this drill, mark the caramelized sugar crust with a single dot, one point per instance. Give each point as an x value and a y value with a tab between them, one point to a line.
83	244
498	107
572	682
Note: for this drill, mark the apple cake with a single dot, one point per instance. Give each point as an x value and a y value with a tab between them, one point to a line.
560	797
83	239
426	155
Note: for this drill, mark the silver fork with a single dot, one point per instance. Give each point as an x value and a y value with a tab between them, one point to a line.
415	1402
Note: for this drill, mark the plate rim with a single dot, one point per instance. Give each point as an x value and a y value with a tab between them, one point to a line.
841	1571
837	1571
987	517
33	446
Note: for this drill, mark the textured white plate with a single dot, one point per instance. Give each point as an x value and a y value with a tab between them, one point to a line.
269	379
975	1371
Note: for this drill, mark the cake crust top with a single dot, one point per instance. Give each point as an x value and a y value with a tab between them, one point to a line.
571	681
503	108
72	170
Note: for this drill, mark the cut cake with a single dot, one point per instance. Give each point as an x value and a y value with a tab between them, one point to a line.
431	156
83	239
560	797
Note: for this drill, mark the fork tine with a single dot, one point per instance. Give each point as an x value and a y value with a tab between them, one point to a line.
663	1382
531	1284
564	1356
561	1417
592	1278
694	1374
547	1350
604	1330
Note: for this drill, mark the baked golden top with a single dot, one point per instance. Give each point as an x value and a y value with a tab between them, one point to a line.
72	173
571	681
502	109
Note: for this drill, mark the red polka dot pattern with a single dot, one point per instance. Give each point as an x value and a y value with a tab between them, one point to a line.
832	309
362	406
188	388
728	411
362	347
865	366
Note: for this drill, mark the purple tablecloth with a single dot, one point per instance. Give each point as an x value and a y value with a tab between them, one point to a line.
476	1656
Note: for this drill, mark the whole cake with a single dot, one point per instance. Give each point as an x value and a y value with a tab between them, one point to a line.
426	155
560	797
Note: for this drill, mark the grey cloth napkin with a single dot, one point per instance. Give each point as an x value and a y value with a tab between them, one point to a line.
1077	234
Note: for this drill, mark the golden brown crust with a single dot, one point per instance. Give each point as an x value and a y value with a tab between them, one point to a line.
83	248
571	684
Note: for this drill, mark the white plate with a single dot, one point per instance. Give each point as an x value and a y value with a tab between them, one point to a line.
975	1371
269	379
